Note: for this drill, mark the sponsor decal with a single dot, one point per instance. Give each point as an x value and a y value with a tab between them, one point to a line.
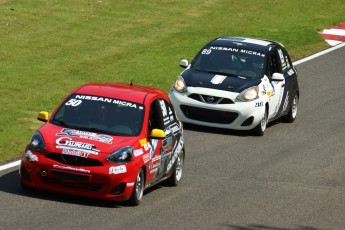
31	156
166	120
117	169
259	104
155	163
176	152
138	152
218	79
153	147
206	51
130	184
286	102
68	143
68	168
237	50
250	52
143	142
291	72
282	60
146	158
268	87
287	62
163	108
73	102
153	170
147	146
106	100
74	152
85	135
156	158
175	128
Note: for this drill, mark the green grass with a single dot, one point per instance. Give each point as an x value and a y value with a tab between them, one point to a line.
49	47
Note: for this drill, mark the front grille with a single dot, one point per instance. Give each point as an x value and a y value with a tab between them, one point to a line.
70	180
208	115
210	99
73	160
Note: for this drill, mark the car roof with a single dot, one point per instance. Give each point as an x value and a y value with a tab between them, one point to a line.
129	92
241	42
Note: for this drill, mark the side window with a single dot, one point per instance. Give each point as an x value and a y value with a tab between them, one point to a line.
162	116
287	60
170	115
275	63
155	116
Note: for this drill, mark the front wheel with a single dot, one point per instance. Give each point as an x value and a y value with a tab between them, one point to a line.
292	114
138	189
178	169
259	130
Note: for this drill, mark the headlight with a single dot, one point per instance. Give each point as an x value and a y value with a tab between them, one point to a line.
37	143
122	155
249	94
180	85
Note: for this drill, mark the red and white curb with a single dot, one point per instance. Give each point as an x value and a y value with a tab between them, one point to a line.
335	35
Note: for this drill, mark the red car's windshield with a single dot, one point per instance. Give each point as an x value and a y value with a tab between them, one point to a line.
100	114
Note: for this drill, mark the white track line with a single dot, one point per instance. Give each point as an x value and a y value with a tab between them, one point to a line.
9	165
16	163
319	54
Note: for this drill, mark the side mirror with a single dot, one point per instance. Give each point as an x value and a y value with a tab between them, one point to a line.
43	116
278	77
157	134
184	63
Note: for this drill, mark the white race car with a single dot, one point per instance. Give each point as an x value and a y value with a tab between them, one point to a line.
237	83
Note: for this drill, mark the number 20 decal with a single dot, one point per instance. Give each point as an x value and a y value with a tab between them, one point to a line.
73	102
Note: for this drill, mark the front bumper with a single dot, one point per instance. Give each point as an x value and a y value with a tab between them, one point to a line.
228	113
96	182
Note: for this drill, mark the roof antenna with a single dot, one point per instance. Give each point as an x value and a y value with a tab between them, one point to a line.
131	82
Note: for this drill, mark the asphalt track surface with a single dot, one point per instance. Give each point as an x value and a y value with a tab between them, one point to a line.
292	178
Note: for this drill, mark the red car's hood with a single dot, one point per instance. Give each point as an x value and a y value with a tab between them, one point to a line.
77	142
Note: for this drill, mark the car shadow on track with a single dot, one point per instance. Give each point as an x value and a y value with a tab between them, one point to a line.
228	132
265	227
9	183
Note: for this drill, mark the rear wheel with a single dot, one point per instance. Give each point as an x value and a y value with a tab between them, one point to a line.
292	114
259	130
178	169
138	189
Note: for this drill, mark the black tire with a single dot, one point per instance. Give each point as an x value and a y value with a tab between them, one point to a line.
259	130
175	178
138	190
292	114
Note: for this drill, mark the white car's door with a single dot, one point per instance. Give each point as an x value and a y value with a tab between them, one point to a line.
278	84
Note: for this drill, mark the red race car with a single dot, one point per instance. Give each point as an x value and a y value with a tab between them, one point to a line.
109	141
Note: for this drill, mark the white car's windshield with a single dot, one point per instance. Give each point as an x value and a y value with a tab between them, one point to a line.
230	61
101	115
